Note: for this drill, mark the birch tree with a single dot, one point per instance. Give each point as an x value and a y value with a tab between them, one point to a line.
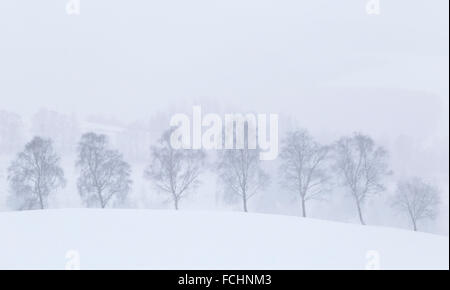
34	175
361	166
174	171
303	167
417	199
240	169
104	176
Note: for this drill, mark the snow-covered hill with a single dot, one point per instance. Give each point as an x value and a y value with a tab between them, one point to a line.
148	239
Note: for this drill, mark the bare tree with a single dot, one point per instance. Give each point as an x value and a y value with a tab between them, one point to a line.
240	169
104	175
417	199
34	175
241	173
361	166
174	171
303	166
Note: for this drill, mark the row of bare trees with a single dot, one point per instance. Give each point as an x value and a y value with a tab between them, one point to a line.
307	168
36	173
359	165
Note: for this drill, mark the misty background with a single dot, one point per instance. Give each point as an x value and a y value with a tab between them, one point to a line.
123	69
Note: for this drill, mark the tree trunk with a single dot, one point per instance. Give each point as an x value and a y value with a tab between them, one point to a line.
41	201
244	200
100	197
414	225
38	189
175	202
303	207
361	219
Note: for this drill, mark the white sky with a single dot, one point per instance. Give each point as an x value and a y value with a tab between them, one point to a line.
130	58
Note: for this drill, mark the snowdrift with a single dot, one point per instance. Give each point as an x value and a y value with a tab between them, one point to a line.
149	239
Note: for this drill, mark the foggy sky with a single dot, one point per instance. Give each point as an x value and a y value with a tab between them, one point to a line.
262	54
